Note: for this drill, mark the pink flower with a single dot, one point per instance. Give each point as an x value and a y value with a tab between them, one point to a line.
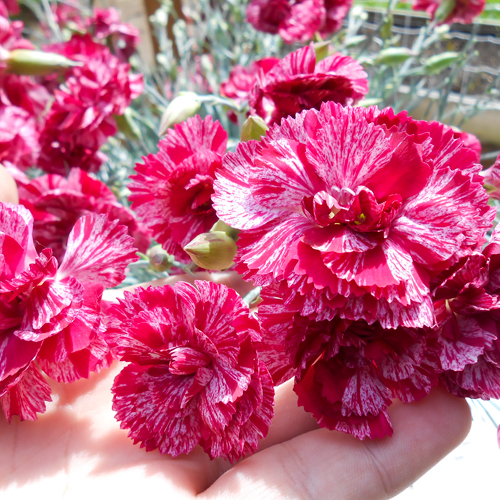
287	87
464	11
123	36
294	21
56	203
81	118
24	92
172	190
336	10
50	313
492	179
346	373
18	137
194	376
352	211
239	84
468	320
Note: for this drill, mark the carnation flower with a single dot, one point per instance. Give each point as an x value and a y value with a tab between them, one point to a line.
297	21
194	376
346	373
123	36
81	118
50	313
492	179
172	190
56	203
468	323
22	91
461	11
18	137
294	21
286	87
239	84
352	211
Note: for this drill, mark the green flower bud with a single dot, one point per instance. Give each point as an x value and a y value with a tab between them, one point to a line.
37	63
444	9
439	62
321	50
386	30
159	260
222	226
253	128
127	125
214	251
393	56
185	105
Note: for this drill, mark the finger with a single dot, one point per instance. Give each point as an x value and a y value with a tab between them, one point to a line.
8	187
331	465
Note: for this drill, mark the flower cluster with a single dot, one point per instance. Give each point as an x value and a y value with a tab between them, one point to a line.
172	190
50	313
451	11
352	219
297	21
194	375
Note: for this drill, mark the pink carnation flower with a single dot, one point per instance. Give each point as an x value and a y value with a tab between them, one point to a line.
81	118
492	179
18	137
50	312
172	190
56	203
352	211
22	91
297	21
464	11
194	376
123	37
346	373
286	87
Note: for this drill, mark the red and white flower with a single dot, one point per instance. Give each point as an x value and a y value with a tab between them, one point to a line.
352	211
50	313
172	190
194	376
288	86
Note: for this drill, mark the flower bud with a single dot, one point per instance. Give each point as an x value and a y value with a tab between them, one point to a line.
444	10
37	63
439	62
321	49
159	260
185	105
127	125
214	251
222	226
253	128
393	56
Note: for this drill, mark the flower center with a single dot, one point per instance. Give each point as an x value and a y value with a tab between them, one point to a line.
360	210
186	360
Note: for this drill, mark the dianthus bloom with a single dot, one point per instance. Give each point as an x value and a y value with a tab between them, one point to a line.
123	37
81	117
56	203
492	179
297	21
18	137
50	313
352	211
460	11
194	376
172	190
286	87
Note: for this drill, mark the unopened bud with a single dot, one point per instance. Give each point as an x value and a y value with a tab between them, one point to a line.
159	260
180	109
37	63
230	231
253	128
321	48
445	8
214	251
393	56
439	62
386	30
127	125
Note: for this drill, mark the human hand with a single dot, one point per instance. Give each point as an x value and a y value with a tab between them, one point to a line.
76	449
